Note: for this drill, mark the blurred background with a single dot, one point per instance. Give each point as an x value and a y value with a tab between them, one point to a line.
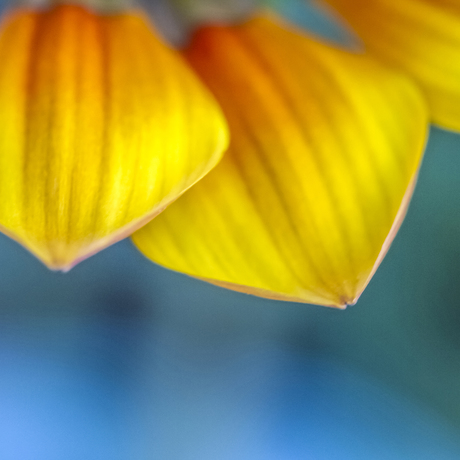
122	360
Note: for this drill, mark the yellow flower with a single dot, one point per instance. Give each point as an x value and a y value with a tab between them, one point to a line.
324	153
102	126
421	37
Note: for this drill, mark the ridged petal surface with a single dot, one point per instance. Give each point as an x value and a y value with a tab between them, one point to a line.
421	37
324	153
101	127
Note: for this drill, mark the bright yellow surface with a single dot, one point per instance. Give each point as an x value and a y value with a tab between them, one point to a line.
324	146
101	126
422	37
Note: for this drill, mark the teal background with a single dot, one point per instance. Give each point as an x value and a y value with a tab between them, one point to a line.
122	360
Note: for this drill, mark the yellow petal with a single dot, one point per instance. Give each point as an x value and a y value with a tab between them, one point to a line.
101	127
325	148
422	37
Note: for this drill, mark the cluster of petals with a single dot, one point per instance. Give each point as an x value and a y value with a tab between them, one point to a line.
258	158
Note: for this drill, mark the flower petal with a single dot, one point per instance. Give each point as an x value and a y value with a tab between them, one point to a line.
324	155
421	37
101	127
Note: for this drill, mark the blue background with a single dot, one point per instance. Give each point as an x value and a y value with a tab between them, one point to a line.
123	360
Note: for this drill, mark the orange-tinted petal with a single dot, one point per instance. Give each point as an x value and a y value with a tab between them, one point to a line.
421	37
101	127
324	155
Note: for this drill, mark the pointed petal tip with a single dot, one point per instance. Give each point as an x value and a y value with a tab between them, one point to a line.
65	258
346	300
60	266
349	302
333	300
57	258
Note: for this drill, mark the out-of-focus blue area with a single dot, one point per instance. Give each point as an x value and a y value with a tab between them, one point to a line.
122	360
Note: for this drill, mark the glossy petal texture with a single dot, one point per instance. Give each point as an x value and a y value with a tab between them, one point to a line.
101	127
421	37
325	150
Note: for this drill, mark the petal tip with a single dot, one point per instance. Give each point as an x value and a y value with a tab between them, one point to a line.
58	258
